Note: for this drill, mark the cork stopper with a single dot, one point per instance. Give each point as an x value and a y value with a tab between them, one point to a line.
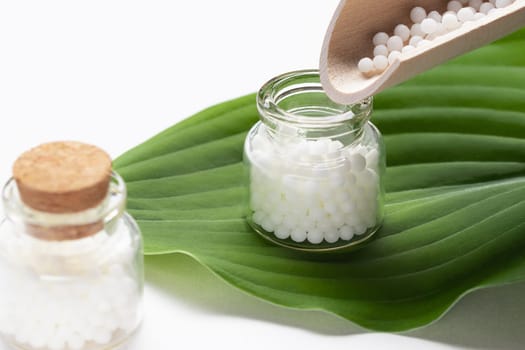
63	178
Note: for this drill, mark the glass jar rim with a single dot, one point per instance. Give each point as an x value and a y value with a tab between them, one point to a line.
112	207
308	80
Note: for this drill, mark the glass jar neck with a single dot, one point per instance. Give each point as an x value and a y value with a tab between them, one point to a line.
295	105
67	226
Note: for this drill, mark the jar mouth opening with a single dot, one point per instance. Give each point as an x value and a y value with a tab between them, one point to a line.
108	210
299	98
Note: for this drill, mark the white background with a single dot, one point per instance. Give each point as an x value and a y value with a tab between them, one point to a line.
114	73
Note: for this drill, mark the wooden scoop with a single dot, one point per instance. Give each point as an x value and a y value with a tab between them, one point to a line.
349	38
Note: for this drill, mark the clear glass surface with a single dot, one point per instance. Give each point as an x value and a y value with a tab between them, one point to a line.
315	168
70	294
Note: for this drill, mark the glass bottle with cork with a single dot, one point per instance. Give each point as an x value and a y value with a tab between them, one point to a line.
71	265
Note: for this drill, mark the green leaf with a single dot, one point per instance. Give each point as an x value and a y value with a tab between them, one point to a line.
455	211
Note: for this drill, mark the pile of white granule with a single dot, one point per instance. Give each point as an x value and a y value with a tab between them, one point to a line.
67	295
314	190
424	28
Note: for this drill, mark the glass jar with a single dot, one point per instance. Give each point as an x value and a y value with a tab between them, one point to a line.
315	167
76	293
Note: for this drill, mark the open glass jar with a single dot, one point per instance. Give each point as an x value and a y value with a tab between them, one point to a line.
315	167
69	280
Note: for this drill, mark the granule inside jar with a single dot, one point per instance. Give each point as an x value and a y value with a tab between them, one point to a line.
314	190
88	304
